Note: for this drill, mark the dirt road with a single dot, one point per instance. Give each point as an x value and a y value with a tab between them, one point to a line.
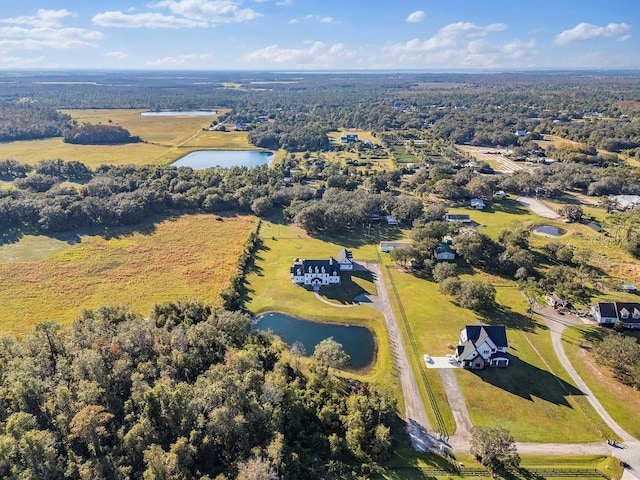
418	426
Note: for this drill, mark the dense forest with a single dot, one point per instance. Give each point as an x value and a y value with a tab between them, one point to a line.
189	393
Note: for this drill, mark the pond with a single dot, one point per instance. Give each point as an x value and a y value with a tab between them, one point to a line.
175	113
357	342
201	159
549	231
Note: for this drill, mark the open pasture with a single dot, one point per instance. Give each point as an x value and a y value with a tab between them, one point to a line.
191	256
162	138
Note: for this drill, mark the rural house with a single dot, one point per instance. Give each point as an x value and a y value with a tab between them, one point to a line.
457	217
444	252
319	273
610	313
477	203
315	273
481	345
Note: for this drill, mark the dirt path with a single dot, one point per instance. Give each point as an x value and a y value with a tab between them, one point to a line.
418	426
459	442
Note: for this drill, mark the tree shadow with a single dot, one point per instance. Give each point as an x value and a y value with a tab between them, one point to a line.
359	236
256	258
11	235
504	315
507	205
528	381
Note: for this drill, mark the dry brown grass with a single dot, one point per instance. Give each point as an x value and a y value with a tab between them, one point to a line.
191	256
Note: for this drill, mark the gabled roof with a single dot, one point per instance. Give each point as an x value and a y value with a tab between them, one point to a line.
330	266
607	310
443	248
478	334
344	254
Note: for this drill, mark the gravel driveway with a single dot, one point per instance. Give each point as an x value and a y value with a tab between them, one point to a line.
538	207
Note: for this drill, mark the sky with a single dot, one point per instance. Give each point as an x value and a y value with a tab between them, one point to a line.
291	35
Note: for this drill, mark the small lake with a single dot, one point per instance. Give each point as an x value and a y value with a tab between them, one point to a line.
549	231
357	342
202	159
189	113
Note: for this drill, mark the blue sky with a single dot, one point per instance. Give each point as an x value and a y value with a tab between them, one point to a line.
318	35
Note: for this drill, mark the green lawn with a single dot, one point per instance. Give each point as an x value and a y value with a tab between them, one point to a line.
534	398
622	402
270	288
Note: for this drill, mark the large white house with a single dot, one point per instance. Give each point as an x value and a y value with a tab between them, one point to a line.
610	313
319	273
315	273
481	345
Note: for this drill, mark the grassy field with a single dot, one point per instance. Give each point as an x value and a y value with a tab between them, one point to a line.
533	398
622	402
166	139
43	278
408	465
270	289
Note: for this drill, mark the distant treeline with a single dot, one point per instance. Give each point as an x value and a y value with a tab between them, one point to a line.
88	134
295	111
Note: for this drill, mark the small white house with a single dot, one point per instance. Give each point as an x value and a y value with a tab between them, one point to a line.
444	252
629	288
386	247
345	259
391	220
477	203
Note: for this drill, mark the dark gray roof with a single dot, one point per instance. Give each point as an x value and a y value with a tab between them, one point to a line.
632	308
443	248
497	333
607	310
330	266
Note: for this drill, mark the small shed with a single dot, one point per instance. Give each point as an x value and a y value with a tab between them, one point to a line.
391	220
629	288
477	203
389	246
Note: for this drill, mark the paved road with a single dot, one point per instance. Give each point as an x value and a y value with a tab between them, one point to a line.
460	441
418	426
629	450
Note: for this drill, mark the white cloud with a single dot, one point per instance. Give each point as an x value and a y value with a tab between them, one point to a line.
42	18
144	20
415	17
586	31
460	45
284	3
321	19
117	54
192	60
215	11
452	35
293	21
42	30
318	55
